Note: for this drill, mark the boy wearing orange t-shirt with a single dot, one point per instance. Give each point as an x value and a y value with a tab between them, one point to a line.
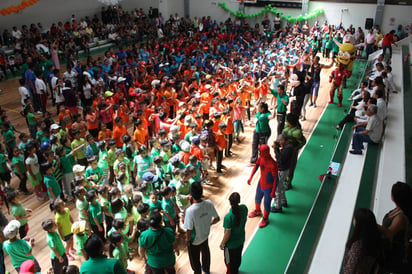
140	134
220	146
227	118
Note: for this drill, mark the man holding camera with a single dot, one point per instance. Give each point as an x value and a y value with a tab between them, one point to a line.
284	152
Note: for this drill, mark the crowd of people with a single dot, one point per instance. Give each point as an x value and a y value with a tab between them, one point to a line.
188	90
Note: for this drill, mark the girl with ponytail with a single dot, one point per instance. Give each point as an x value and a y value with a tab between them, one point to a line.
234	235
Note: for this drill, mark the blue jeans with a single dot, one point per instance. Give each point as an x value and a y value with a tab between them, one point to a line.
359	139
260	193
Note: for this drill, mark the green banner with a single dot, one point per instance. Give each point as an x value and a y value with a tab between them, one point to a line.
269	8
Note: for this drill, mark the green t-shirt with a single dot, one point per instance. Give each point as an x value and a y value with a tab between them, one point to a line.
80	153
19	211
120	253
103	163
95	211
105	204
67	162
142	164
154	152
153	206
159	251
262	124
182	189
80	241
54	240
96	173
52	183
335	46
104	266
64	221
169	206
19	161
188	136
282	108
30	119
2	161
9	135
122	214
237	235
82	205
111	157
18	251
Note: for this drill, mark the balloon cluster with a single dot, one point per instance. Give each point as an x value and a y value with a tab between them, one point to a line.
269	8
24	4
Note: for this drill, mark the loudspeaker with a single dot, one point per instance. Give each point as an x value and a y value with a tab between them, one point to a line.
155	12
369	23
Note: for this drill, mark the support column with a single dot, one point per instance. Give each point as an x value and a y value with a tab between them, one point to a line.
380	6
305	6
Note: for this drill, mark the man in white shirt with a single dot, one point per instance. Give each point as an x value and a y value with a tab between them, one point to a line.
198	220
41	91
370	40
16	33
371	134
381	104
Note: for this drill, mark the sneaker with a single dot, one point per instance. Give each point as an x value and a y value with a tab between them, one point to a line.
314	105
264	222
311	104
339	105
276	210
285	204
40	198
212	167
220	172
255	213
356	152
331	102
39	113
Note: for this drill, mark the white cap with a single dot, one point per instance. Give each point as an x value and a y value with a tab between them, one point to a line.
54	126
78	168
11	229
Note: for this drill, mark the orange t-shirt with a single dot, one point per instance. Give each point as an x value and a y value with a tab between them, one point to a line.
197	152
229	123
185	157
67	117
104	135
118	134
140	135
90	124
220	140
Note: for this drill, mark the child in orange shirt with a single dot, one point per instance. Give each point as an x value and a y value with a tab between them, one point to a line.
227	118
220	146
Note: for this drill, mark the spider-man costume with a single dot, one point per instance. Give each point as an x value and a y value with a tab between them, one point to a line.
267	182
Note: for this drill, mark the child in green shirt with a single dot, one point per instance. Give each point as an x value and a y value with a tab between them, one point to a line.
20	213
117	248
57	251
20	170
80	237
95	214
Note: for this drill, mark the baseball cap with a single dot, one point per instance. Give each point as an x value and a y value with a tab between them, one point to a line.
150	177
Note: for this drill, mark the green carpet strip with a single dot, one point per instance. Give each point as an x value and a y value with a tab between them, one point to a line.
272	246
